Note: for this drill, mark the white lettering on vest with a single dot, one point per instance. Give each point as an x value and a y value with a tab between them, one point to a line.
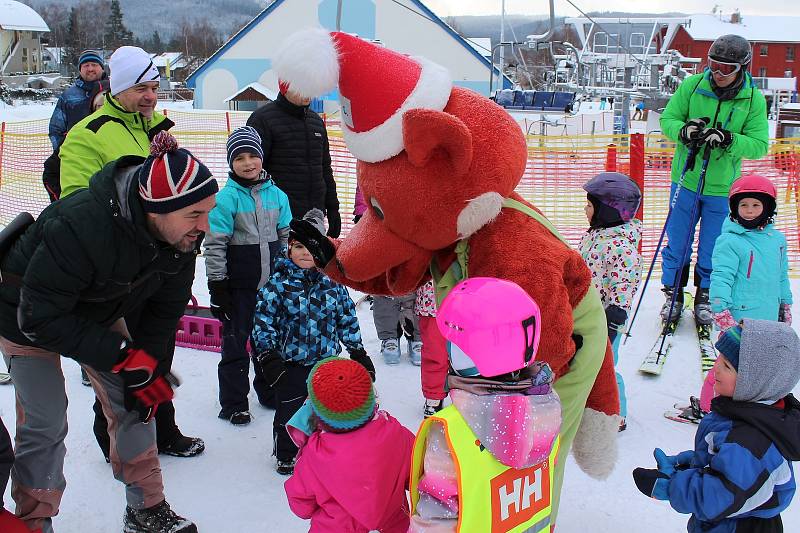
507	499
532	489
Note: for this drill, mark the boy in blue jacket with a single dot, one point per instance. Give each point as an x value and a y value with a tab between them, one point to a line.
739	477
302	316
249	228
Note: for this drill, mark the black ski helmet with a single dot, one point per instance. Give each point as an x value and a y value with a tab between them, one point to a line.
732	49
615	191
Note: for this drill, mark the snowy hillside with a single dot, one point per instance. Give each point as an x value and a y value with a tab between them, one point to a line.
233	487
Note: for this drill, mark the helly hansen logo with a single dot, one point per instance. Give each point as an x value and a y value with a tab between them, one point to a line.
517	495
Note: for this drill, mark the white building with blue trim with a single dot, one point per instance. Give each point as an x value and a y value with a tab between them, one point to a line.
406	26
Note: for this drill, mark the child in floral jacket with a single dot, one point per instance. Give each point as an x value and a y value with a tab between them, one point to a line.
610	248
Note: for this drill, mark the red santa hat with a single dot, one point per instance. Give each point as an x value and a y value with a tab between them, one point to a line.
376	86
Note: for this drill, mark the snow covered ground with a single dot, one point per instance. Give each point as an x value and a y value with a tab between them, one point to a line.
233	487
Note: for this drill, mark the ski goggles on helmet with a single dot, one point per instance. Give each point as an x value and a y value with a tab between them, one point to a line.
723	68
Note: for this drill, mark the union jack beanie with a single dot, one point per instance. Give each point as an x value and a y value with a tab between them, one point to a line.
171	178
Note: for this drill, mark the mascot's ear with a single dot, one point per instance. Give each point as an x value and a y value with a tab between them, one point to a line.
425	131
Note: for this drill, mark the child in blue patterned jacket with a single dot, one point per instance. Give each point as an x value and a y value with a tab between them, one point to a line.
302	317
249	228
610	249
739	476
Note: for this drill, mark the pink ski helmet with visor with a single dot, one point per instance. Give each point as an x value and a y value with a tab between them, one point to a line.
493	327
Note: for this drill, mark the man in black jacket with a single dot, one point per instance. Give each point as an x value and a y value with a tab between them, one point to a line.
70	285
297	155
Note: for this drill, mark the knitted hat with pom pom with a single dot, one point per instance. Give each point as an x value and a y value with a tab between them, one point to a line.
171	178
340	394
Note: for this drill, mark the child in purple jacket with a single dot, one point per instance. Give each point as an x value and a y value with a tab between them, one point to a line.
352	469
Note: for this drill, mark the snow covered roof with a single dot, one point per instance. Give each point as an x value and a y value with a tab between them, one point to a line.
483	45
17	16
176	60
754	28
269	93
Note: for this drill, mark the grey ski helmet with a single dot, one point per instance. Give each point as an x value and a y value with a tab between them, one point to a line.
617	191
732	49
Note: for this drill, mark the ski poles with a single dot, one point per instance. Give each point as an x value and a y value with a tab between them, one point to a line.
690	157
690	237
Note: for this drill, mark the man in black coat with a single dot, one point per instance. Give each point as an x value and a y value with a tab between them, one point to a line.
297	155
71	284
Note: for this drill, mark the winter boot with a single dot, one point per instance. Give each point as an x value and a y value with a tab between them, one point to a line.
237	418
703	315
415	352
156	519
677	308
183	446
285	468
390	350
432	407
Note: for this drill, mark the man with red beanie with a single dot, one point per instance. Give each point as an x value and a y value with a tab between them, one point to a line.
70	284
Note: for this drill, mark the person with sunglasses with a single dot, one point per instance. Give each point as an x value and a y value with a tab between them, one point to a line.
720	108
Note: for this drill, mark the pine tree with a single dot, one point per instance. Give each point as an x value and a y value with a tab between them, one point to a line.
116	33
72	44
156	46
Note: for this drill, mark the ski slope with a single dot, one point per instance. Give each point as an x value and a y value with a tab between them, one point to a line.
233	487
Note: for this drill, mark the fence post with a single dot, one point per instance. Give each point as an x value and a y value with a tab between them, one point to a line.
611	158
228	121
2	144
637	168
164	112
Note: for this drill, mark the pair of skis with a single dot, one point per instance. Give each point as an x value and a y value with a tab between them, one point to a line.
653	362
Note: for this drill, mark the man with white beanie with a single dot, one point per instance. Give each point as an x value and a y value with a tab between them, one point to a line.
123	126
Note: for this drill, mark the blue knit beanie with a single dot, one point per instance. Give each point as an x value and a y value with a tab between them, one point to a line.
244	139
730	343
90	55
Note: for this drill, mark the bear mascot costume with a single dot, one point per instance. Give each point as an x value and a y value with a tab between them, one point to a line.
438	166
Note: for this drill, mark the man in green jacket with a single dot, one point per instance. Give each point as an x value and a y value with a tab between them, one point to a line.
723	110
124	126
102	277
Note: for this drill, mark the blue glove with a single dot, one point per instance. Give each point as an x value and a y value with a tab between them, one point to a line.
652	483
668	464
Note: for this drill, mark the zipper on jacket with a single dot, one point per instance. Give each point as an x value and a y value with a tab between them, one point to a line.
750	265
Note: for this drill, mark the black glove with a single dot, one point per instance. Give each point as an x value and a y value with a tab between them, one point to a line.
717	137
221	302
145	386
692	130
652	482
272	366
334	223
359	355
321	249
615	318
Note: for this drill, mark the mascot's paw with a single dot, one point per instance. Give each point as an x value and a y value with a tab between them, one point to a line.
321	249
595	444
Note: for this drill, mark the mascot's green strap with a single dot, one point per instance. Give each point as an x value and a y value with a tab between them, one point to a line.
443	282
588	321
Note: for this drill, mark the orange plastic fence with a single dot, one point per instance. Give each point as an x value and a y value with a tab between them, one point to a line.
557	167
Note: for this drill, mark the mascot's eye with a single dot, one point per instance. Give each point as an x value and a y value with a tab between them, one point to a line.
376	207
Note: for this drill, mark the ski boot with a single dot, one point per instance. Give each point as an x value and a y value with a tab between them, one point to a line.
677	308
415	352
432	407
390	350
157	519
183	446
703	315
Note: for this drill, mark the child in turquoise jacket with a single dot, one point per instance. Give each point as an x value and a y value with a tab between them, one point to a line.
750	276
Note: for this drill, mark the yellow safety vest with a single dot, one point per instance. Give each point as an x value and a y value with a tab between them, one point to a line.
492	497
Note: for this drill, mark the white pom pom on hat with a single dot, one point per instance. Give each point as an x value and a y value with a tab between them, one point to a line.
376	86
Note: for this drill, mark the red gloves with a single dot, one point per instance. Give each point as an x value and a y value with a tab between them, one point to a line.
145	387
724	320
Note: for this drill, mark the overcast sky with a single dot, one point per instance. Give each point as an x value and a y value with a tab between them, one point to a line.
562	7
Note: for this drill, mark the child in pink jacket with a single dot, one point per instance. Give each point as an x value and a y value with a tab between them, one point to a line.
354	460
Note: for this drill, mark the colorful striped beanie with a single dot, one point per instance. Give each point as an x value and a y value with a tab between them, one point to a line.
730	343
244	139
171	178
340	394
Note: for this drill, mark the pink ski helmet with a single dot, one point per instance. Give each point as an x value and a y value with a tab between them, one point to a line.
493	327
753	186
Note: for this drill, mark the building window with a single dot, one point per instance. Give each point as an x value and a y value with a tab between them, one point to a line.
762	72
790	53
787	73
764	49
